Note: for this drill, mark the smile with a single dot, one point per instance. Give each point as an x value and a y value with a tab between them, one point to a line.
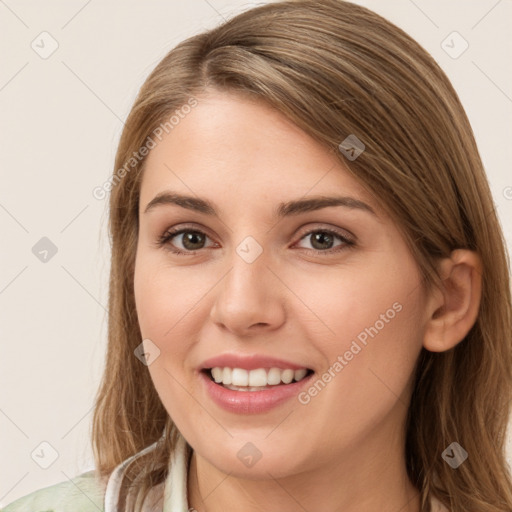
233	389
258	379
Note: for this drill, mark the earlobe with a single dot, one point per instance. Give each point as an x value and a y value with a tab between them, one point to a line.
453	308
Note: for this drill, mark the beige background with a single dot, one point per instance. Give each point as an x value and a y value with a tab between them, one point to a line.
61	118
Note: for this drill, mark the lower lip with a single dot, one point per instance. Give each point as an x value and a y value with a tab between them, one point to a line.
251	402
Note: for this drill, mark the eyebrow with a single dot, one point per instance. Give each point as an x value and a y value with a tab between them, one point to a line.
284	209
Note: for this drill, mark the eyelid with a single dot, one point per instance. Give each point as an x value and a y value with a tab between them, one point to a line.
342	233
345	236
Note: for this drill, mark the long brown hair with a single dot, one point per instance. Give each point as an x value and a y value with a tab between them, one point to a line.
336	69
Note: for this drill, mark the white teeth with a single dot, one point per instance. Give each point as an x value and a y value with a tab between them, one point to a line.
226	376
287	376
217	374
258	377
274	376
253	380
300	374
239	377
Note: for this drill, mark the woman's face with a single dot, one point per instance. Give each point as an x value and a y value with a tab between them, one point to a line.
270	285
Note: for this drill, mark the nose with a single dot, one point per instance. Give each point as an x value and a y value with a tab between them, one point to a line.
250	298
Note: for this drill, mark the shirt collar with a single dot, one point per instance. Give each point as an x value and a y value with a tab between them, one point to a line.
175	487
175	490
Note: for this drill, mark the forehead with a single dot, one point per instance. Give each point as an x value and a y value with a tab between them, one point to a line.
240	149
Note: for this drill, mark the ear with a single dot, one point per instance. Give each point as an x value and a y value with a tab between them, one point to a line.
453	309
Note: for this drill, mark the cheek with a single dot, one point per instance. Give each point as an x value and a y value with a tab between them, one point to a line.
378	365
370	316
150	299
165	296
163	301
364	300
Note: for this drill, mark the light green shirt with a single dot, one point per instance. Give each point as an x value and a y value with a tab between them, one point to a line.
82	493
85	493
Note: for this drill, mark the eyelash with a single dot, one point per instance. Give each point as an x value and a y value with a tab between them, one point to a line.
164	240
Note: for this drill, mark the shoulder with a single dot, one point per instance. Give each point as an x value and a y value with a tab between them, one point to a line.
84	492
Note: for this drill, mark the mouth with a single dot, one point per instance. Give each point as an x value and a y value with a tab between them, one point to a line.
258	379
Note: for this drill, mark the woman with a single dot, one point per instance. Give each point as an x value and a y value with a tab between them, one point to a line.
309	295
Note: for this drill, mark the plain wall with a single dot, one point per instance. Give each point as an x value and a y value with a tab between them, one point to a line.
61	118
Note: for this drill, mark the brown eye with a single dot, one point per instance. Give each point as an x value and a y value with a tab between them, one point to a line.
190	239
187	241
321	240
324	240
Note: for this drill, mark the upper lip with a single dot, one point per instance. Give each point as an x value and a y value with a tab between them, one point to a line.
248	362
